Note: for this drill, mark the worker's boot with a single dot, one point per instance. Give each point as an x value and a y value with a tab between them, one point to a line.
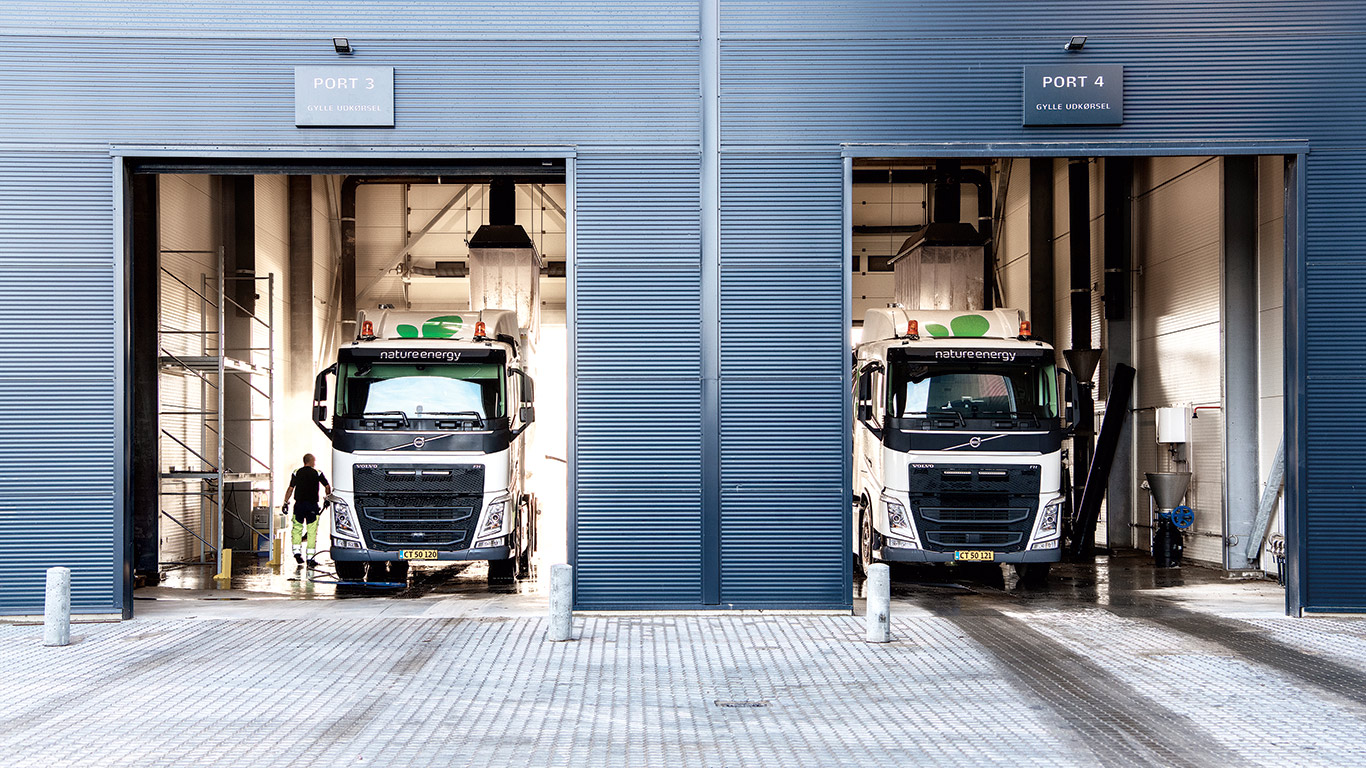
298	558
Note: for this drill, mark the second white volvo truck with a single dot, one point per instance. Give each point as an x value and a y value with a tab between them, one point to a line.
958	440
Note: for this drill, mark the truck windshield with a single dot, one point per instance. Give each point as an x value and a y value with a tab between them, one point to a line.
972	390
420	391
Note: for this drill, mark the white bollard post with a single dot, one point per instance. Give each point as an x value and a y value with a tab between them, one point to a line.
879	588
57	607
561	601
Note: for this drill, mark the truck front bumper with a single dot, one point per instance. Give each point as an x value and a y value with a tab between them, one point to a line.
898	555
375	555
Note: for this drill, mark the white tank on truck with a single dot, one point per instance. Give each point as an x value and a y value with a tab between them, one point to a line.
958	440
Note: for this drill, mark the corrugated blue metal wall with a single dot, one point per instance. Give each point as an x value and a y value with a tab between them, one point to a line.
57	389
619	81
638	435
784	363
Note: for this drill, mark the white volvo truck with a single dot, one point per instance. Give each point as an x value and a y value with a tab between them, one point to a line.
958	440
428	427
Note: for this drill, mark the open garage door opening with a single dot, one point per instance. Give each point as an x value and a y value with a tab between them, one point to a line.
404	326
1026	396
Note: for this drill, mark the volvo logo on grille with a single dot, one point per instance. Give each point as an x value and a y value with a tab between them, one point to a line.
420	441
975	442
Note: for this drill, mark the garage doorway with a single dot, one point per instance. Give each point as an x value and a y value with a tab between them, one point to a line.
245	279
1181	276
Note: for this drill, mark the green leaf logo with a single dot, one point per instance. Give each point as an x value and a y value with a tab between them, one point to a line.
936	330
406	331
972	326
443	327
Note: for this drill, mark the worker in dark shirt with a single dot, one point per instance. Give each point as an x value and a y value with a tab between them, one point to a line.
303	487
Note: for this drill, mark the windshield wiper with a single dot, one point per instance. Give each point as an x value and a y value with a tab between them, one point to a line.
400	416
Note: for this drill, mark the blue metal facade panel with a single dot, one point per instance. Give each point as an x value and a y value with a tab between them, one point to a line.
57	398
812	93
1334	527
638	435
784	360
104	90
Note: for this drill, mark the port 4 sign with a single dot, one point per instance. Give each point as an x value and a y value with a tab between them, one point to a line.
344	96
1074	94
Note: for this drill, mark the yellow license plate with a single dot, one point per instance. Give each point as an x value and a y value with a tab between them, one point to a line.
975	555
420	554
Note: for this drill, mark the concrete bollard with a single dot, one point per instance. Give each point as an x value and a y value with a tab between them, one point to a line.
561	602
57	607
879	589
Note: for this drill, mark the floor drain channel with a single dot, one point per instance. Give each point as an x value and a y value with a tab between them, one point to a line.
740	704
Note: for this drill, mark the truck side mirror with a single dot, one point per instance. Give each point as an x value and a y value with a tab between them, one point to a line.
527	414
320	398
1071	396
528	389
864	410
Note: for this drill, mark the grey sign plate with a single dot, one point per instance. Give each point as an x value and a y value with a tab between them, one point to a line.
344	96
1074	94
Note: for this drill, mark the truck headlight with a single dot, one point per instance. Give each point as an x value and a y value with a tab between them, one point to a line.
1048	519
341	520
493	520
897	517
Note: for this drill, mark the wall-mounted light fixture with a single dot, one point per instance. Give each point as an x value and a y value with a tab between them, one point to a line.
342	45
1076	43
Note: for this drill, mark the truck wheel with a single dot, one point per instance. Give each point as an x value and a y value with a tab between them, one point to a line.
525	523
866	541
349	570
503	571
1033	574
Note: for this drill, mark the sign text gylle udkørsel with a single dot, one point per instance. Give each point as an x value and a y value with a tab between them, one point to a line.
1074	94
344	96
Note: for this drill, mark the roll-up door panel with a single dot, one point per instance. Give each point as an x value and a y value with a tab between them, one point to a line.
784	431
57	399
638	440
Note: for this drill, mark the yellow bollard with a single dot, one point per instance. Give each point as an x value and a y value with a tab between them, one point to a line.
224	575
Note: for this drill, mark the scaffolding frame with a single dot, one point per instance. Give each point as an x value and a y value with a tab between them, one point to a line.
214	367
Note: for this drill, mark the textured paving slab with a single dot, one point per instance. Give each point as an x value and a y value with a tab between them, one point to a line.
977	676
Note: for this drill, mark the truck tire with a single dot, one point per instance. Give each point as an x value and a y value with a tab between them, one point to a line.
865	549
1033	574
348	570
503	571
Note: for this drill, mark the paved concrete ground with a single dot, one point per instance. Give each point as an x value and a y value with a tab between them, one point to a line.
1118	665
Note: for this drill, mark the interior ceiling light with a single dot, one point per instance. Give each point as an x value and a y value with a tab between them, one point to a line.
344	46
1076	43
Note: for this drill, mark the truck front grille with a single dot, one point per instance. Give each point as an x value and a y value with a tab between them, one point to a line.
418	506
958	506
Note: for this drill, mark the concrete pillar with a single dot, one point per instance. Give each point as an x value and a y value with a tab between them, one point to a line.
239	261
879	589
1240	352
561	603
57	607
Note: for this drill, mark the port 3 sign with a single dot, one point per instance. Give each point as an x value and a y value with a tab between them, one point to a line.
344	96
1074	94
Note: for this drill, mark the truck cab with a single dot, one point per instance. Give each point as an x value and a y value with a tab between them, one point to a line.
958	440
429	420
